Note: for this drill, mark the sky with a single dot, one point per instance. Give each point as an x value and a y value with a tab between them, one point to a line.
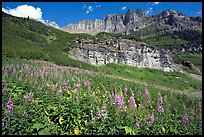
64	13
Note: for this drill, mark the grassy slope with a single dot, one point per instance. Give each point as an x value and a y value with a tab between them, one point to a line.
36	41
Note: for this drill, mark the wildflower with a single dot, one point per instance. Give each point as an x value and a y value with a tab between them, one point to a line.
89	88
78	85
160	109
147	103
152	118
140	106
125	90
160	99
10	106
119	101
137	125
185	120
59	92
146	92
132	100
102	114
4	90
2	122
192	114
28	96
14	71
74	91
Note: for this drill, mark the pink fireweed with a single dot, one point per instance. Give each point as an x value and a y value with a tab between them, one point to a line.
10	106
125	90
185	120
137	125
132	101
119	101
4	90
102	115
59	92
29	96
160	109
78	85
146	92
74	91
151	118
14	71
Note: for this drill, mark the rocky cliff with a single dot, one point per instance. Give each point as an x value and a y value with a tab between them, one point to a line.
132	21
123	51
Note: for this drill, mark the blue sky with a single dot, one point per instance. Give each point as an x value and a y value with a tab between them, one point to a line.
64	13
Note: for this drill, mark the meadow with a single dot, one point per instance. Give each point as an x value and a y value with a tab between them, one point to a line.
42	98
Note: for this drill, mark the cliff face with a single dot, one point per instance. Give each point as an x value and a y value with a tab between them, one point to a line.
132	21
123	51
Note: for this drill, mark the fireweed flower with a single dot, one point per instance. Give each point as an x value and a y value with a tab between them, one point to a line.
78	85
152	118
125	90
102	113
160	109
146	92
10	106
74	91
14	71
59	92
119	101
4	90
132	101
185	120
192	114
137	125
29	96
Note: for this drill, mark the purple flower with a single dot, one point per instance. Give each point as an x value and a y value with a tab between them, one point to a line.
14	71
78	85
192	114
160	109
146	92
137	125
125	90
29	96
2	122
4	90
10	106
119	101
102	114
89	88
152	118
140	106
74	91
185	120
59	92
132	101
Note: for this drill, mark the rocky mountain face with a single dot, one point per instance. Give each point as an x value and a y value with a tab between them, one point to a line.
123	51
132	21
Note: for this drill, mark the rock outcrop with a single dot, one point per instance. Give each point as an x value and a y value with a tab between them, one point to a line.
122	51
132	21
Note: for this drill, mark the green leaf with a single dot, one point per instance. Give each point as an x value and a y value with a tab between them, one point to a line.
45	131
38	126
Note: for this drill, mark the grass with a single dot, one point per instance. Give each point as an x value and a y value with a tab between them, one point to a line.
48	100
195	58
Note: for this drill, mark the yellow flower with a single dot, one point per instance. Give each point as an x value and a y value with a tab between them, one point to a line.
163	130
60	120
76	130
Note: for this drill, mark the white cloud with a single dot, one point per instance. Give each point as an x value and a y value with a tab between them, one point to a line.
25	11
124	8
149	10
90	8
87	9
155	3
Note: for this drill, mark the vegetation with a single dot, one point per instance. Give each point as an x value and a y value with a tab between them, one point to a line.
42	98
